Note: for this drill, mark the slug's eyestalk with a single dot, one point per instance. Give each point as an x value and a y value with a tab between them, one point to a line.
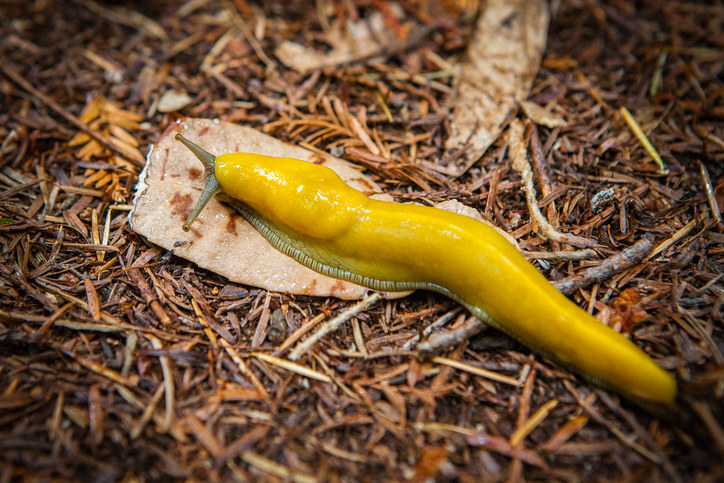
211	185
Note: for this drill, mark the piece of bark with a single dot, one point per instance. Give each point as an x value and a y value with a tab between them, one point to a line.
220	240
502	60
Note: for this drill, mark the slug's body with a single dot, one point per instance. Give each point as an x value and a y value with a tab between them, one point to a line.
309	213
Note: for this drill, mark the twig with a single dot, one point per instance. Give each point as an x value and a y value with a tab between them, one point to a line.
333	324
517	153
292	367
440	341
169	390
442	320
129	18
478	371
680	233
609	267
522	431
573	256
715	213
541	164
244	369
273	468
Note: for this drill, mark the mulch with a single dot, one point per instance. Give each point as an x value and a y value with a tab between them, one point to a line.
121	362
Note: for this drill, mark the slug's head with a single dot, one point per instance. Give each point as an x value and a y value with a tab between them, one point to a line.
211	184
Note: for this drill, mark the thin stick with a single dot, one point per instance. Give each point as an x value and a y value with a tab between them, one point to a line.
715	213
519	159
292	367
573	256
440	341
608	268
168	384
680	233
442	320
333	324
478	371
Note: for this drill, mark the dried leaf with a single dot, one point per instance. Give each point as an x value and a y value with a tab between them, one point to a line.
221	240
541	115
172	101
354	40
627	310
503	58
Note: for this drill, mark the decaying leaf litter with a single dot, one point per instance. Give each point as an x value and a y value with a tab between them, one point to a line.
120	359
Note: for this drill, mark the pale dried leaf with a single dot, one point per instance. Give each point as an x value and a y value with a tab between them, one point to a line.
542	116
173	100
365	38
220	240
502	60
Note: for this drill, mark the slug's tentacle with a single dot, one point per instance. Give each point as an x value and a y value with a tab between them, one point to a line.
307	212
211	184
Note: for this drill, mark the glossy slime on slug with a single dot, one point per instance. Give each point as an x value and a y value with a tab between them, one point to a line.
306	211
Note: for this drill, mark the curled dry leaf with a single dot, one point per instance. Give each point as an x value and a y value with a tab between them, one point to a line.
220	240
502	60
353	40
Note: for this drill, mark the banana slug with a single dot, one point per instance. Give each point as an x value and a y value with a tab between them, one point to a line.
306	211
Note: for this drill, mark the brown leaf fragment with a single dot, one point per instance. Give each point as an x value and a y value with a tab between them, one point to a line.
92	296
430	463
502	61
627	311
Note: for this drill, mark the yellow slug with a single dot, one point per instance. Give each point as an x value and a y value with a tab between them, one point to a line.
306	211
